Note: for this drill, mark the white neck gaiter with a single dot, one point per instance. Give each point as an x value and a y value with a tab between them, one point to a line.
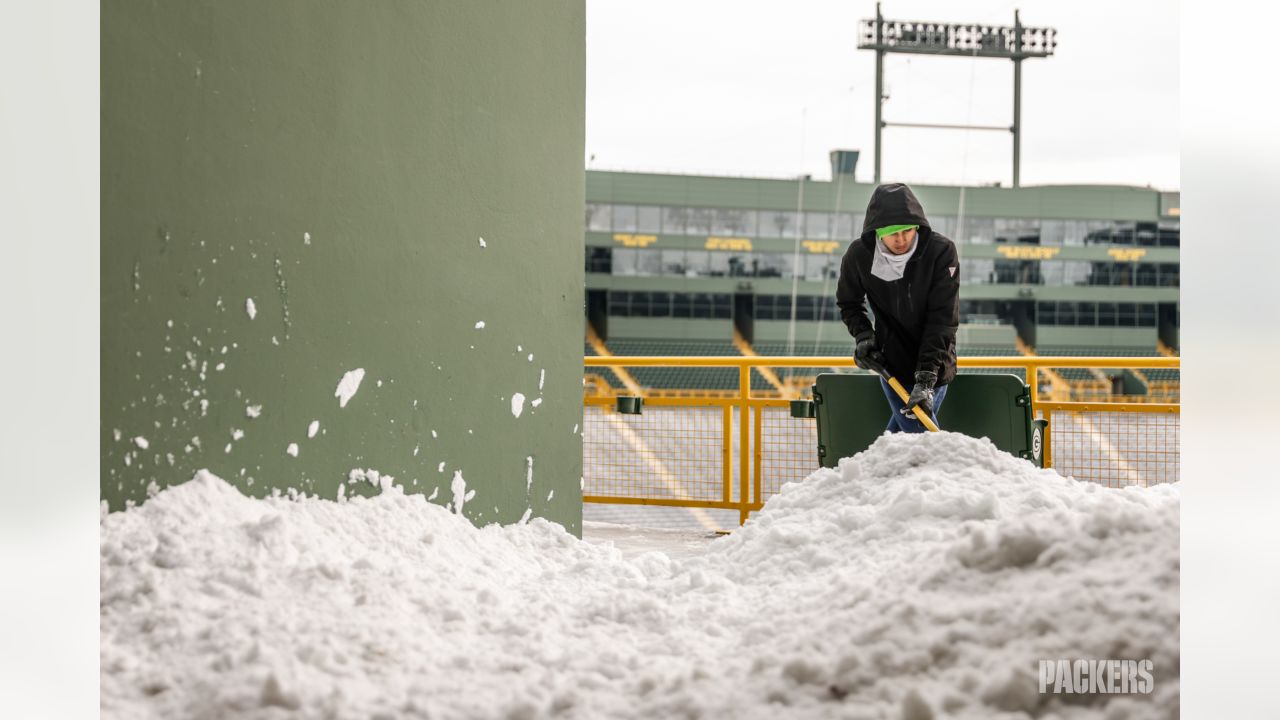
887	266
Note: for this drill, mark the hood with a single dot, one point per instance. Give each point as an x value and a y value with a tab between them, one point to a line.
893	204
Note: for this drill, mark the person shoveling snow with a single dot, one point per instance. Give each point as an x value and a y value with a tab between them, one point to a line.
905	276
924	577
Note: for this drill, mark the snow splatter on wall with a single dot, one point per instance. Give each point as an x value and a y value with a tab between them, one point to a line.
925	577
348	385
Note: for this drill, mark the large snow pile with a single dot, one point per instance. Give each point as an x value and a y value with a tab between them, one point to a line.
925	577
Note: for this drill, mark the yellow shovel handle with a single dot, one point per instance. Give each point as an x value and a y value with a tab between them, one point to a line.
902	393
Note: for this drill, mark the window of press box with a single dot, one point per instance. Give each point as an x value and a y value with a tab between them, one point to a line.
976	231
1017	231
1114	232
648	219
847	226
740	223
701	306
599	259
698	221
1090	314
779	223
673	262
599	217
624	218
985	312
817	225
1017	272
1063	232
620	304
664	304
1113	274
674	220
660	304
808	308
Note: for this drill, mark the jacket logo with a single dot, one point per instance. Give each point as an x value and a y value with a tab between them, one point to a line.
952	270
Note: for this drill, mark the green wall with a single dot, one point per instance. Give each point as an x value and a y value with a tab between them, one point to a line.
805	332
338	163
976	334
1051	335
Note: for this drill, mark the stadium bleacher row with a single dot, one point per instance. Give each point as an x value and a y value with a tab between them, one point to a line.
693	378
990	351
682	378
1082	383
800	375
1160	381
609	377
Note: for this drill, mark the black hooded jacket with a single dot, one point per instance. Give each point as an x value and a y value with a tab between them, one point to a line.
916	316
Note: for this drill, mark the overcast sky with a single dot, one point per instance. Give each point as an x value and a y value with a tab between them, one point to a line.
768	88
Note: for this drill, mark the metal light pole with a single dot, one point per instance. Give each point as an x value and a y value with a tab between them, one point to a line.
1014	43
1017	99
879	89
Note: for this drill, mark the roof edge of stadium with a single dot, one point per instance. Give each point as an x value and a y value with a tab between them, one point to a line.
793	178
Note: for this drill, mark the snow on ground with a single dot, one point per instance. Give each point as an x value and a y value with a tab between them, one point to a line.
925	577
633	541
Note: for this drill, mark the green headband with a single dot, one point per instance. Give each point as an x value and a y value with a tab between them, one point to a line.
891	229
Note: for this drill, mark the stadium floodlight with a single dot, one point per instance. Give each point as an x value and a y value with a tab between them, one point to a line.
1015	43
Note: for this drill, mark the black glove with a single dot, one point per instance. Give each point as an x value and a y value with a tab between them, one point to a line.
921	394
868	356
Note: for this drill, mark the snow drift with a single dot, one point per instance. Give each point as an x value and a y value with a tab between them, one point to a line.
926	576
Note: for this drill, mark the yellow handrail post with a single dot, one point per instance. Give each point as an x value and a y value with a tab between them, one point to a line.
744	440
757	443
728	453
1033	379
1046	453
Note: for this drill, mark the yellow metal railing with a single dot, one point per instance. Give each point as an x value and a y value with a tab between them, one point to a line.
730	449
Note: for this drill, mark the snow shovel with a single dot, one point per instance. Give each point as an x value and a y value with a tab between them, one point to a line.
902	393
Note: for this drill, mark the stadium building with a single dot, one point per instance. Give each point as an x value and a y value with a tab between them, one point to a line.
703	265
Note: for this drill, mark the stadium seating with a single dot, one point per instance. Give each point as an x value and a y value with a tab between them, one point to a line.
604	372
841	348
1096	351
1086	386
680	378
1083	374
976	350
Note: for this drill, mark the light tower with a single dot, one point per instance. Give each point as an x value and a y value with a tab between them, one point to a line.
1015	43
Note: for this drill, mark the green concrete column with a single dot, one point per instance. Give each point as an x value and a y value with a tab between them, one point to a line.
293	191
